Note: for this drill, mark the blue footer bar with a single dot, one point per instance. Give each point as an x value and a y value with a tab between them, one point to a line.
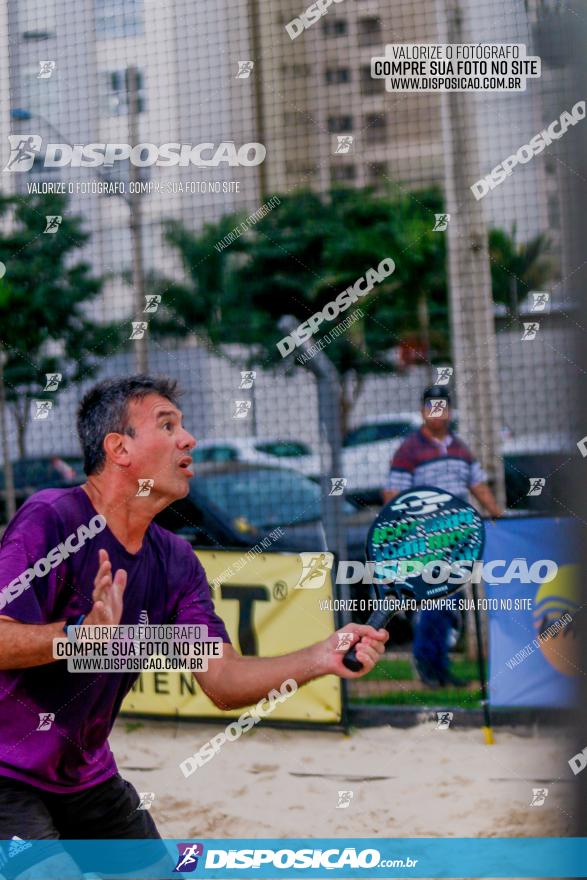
297	857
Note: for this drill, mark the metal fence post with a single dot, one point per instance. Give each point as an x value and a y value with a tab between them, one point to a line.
329	415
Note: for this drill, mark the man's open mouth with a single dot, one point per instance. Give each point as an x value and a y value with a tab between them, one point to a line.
185	465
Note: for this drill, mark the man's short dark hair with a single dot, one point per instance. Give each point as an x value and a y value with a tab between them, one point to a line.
104	410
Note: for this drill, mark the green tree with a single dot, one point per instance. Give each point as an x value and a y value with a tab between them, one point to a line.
310	248
44	291
296	260
519	267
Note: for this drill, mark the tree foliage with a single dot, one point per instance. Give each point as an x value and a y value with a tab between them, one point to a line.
309	249
43	294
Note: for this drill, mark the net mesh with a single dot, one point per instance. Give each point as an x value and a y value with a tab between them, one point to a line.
300	177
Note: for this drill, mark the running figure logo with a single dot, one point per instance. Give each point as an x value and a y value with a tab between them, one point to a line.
344	641
138	329
23	151
244	69
146	799
539	795
315	567
540	302
46	720
241	409
187	860
344	143
42	409
441	222
530	330
152	302
437	408
344	799
145	487
337	485
537	484
443	375
53	380
444	719
247	378
53	222
47	68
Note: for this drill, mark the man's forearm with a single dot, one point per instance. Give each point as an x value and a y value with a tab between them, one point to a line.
485	496
239	681
23	645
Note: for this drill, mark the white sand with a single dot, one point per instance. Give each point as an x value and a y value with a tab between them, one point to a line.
439	783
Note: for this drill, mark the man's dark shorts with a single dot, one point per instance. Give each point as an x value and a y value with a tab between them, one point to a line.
105	811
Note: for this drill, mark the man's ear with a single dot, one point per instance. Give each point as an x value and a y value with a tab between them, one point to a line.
116	449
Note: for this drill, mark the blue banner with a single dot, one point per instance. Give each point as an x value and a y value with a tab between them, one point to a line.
531	582
300	857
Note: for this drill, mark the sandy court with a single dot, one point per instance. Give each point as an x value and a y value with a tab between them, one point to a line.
418	782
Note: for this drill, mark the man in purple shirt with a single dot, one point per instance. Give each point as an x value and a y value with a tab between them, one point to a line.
92	555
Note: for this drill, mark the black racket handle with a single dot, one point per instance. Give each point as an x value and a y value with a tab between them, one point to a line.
378	620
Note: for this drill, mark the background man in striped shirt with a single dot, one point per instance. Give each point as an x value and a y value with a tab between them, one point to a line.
434	456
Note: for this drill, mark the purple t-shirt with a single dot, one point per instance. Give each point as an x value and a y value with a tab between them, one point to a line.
166	584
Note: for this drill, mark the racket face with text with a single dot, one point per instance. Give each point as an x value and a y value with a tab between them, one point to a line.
424	529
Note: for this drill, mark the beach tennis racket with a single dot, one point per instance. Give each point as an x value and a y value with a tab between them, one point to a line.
413	543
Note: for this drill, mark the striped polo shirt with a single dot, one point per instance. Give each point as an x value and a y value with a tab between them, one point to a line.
447	464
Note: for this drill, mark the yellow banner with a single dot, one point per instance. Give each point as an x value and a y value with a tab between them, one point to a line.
265	613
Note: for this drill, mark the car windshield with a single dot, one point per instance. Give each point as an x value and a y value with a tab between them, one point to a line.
375	432
44	472
283	450
265	497
215	453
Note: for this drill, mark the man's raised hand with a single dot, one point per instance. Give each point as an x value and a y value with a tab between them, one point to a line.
108	594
